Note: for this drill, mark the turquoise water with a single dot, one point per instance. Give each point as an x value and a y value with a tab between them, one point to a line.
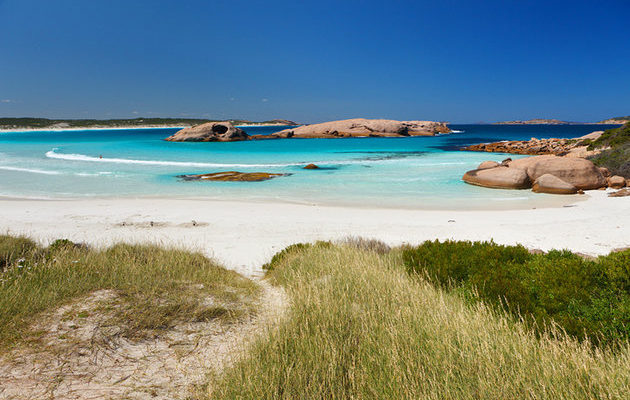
416	172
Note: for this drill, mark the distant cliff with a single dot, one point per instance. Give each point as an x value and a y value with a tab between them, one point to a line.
45	123
544	121
536	121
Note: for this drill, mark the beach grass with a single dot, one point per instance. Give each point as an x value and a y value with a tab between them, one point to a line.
157	287
359	326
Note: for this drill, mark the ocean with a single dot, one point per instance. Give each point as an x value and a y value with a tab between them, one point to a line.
413	172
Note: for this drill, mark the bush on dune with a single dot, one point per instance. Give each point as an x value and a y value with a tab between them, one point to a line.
584	297
617	155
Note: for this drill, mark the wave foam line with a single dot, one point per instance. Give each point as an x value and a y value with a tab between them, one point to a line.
83	157
31	170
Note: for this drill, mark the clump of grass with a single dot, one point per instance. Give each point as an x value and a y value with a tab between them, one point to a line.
13	249
587	298
158	287
362	243
291	251
360	327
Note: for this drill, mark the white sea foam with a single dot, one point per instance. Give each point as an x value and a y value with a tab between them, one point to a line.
82	157
31	170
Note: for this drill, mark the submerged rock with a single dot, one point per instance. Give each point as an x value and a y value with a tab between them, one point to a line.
210	132
311	166
361	127
548	183
232	176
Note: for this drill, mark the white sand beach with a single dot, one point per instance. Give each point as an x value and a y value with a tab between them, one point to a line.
244	235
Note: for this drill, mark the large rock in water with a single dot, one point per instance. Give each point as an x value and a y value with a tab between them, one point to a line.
360	127
500	177
210	132
579	172
548	183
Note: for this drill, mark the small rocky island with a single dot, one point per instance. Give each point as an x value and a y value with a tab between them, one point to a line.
359	127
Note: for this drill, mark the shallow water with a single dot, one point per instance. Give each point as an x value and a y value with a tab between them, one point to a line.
415	172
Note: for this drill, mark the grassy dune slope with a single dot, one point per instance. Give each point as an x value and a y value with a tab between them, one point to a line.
158	286
360	327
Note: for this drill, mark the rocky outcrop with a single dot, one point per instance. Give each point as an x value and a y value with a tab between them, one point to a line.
232	176
210	132
498	178
548	183
577	147
361	127
579	173
488	164
311	166
616	182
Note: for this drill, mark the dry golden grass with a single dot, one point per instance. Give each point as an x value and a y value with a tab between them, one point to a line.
360	327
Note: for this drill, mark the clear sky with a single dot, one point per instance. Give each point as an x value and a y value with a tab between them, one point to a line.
310	61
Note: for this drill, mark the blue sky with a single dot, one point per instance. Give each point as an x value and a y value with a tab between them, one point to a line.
310	61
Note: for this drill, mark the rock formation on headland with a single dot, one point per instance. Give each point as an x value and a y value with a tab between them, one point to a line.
549	174
616	120
210	132
577	147
360	127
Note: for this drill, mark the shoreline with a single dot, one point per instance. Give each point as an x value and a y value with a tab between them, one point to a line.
545	201
244	235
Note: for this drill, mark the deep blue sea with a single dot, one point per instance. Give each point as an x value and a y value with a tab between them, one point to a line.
414	172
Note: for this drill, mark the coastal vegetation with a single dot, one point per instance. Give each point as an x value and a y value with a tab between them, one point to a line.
41	123
362	320
586	298
615	153
360	325
155	287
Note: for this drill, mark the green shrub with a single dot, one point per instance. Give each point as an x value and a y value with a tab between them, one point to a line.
612	137
617	160
586	298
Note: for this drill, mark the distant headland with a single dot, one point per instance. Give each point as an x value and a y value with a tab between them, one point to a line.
59	124
545	121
